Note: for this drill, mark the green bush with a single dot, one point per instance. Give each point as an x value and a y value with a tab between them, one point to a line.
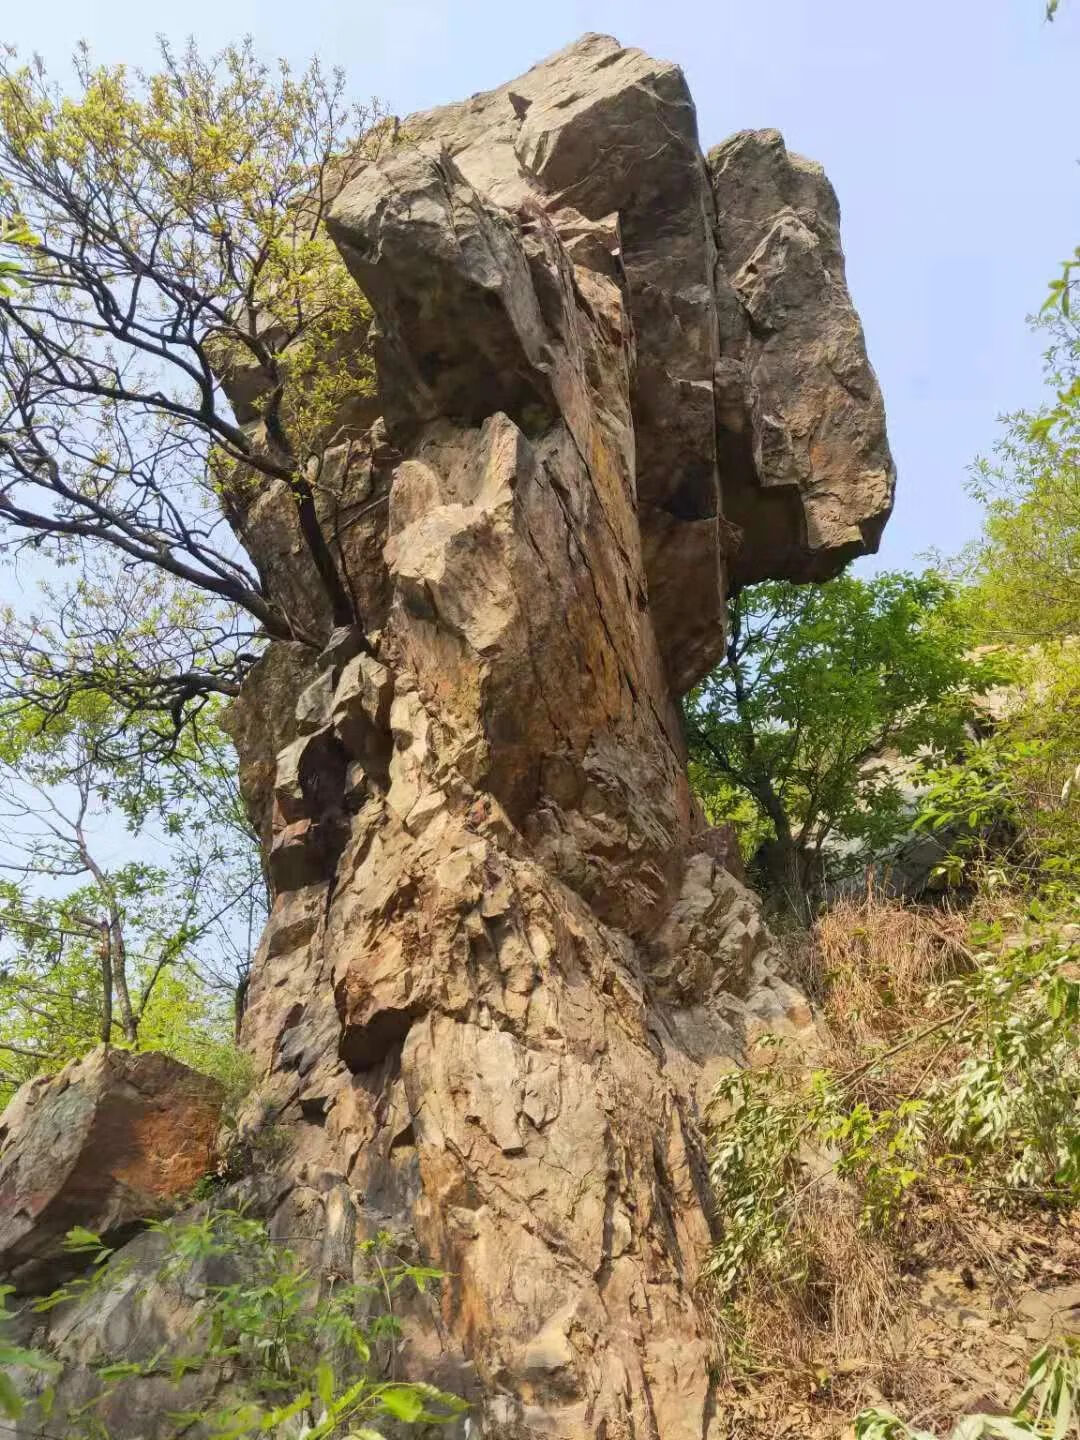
1011	800
289	1351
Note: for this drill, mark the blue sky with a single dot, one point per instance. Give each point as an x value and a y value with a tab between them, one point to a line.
949	128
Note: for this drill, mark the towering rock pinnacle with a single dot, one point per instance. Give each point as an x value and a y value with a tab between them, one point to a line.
505	963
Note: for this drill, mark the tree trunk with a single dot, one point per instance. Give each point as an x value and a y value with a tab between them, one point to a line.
782	878
129	1022
105	952
113	950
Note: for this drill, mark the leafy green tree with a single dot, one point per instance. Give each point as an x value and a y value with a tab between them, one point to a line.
1011	801
1023	574
817	684
156	232
133	634
129	898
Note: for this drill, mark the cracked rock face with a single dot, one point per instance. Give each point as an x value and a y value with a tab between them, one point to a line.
111	1140
505	962
759	444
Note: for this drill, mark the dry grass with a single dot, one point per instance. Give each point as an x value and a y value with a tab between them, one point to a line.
852	1325
838	1300
928	1328
876	963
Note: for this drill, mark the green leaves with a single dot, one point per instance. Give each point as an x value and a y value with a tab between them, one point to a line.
1021	575
410	1404
1006	804
16	234
161	235
171	928
817	680
1058	296
767	1118
402	1402
18	1358
80	1241
282	1344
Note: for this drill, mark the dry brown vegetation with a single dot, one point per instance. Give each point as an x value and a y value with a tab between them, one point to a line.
938	1316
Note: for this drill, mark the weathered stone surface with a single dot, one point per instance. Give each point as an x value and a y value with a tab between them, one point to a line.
108	1141
506	958
263	720
752	395
821	485
497	1016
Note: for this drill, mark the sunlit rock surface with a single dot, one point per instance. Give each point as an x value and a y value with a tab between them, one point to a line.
505	962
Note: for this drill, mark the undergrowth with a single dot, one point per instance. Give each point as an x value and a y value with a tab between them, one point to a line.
938	1130
1048	1406
283	1351
949	1087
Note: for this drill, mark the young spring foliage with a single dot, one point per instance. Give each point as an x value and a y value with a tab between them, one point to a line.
818	682
1010	803
130	896
157	232
281	1349
1023	574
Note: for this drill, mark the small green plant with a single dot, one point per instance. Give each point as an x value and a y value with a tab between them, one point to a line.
1048	1406
17	1358
759	1171
1009	1110
287	1351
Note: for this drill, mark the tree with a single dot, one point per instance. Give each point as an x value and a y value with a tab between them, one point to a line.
1023	574
133	634
816	684
102	939
158	232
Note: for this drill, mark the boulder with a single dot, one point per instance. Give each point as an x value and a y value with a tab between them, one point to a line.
109	1141
819	486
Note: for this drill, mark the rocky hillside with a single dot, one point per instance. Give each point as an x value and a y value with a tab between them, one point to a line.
505	963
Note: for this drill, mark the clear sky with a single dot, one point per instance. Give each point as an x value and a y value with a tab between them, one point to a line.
949	128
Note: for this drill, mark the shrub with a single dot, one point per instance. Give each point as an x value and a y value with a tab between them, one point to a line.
289	1351
977	1088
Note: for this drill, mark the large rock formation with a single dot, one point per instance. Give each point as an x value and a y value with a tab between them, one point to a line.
504	963
758	428
110	1141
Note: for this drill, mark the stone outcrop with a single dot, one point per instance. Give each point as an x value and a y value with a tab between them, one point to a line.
759	435
505	961
820	485
106	1143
